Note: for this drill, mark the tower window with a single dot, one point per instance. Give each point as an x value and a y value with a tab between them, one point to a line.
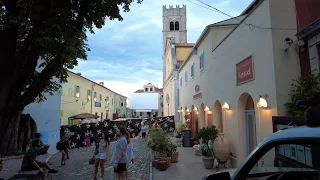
176	26
171	26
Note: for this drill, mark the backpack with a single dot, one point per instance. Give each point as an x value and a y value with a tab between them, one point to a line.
58	146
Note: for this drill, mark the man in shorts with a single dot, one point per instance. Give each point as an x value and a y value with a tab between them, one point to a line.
29	162
120	155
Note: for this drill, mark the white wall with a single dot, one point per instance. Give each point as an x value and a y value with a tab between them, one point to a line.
144	100
47	118
218	81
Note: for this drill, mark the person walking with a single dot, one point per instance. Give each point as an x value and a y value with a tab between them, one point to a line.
130	153
88	141
120	155
144	130
101	155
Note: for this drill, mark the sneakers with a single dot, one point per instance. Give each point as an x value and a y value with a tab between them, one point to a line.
53	171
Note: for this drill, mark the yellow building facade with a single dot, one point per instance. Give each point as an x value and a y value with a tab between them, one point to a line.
81	95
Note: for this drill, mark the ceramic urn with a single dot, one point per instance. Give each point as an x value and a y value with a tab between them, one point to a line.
221	148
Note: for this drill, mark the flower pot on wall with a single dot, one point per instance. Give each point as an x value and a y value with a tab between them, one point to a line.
208	162
222	148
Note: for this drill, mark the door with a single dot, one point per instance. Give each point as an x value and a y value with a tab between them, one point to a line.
251	136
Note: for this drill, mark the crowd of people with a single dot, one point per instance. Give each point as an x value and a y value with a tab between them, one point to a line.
122	155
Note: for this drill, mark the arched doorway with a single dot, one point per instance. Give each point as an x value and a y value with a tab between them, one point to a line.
246	110
218	118
202	122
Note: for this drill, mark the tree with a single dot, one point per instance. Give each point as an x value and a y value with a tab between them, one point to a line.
53	31
303	88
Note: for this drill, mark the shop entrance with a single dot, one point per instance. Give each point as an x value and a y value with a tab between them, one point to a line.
250	126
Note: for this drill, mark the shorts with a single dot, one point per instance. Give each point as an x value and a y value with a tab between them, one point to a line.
122	167
101	156
144	134
31	167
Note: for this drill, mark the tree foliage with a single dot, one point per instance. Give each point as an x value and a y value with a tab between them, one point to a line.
39	41
303	88
53	31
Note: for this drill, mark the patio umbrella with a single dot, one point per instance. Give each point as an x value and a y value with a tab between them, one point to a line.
83	116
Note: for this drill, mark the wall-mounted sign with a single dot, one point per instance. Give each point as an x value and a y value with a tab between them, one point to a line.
97	104
197	95
245	71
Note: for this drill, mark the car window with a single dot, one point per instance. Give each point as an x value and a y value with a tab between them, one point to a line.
289	157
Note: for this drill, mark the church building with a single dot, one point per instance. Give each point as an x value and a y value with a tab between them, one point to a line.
175	51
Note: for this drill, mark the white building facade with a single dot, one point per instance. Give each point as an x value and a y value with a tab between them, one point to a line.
47	118
236	65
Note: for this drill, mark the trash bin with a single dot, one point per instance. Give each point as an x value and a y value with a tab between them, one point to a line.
187	138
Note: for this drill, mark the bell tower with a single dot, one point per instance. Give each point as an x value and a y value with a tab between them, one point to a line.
174	20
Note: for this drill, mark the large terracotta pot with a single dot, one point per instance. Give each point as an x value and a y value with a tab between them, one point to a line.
221	148
160	164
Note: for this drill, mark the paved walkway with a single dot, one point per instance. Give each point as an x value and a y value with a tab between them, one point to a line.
78	167
189	167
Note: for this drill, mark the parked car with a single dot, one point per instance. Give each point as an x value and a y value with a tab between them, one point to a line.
284	155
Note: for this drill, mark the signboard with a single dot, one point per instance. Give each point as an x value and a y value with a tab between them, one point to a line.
97	104
197	95
245	71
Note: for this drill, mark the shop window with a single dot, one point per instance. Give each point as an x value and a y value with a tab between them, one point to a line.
77	91
314	55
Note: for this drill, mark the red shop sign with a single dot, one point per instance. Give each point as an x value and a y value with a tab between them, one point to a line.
245	71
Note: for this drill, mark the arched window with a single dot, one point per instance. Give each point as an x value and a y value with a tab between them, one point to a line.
171	26
176	26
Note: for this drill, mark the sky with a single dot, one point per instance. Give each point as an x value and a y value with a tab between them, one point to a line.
127	54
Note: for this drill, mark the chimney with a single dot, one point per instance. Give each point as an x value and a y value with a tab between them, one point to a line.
79	74
101	83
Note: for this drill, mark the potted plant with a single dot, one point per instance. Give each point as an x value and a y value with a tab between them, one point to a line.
159	142
175	155
207	133
172	152
208	159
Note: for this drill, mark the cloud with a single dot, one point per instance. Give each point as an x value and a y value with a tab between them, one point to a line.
127	54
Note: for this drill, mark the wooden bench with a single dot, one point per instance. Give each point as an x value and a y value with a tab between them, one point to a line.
35	174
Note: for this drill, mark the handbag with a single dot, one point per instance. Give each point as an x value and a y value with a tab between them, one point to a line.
92	159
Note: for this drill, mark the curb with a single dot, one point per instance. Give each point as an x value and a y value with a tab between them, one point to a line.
151	168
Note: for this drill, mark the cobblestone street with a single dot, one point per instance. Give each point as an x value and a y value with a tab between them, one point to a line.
78	167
